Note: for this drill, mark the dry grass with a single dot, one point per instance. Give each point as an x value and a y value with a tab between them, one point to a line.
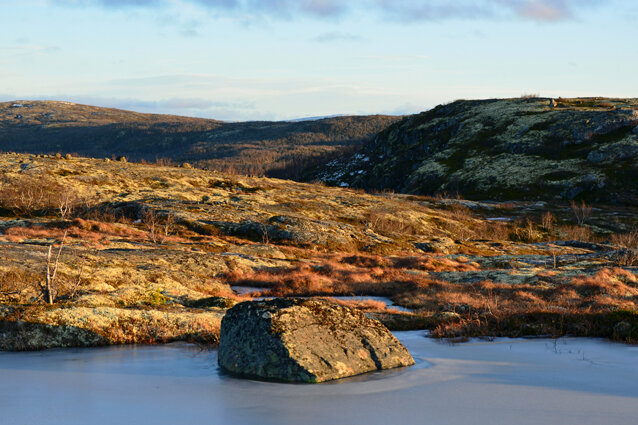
487	308
15	281
348	275
365	305
30	195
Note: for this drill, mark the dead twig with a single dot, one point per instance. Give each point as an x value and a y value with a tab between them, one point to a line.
50	277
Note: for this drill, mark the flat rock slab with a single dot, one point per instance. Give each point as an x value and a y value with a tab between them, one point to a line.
301	340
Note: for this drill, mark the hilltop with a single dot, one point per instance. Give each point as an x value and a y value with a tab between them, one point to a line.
503	149
280	149
153	253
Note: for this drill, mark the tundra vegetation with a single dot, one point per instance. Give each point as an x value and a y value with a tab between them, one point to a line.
105	252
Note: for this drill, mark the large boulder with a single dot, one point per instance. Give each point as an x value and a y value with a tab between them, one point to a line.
301	340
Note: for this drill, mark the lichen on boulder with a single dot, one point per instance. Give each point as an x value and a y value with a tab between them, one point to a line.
301	340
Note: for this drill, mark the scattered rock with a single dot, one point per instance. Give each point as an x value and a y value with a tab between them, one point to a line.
299	340
441	245
446	316
623	330
122	159
218	302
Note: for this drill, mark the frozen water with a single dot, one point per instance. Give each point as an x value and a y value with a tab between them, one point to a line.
569	381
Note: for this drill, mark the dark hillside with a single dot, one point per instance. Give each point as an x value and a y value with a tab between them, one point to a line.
277	148
527	148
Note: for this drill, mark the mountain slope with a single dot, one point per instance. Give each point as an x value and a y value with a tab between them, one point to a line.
277	148
527	148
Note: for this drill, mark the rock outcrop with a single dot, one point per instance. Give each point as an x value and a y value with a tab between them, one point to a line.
300	340
503	149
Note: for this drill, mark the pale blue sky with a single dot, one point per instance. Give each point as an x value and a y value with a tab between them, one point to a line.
282	59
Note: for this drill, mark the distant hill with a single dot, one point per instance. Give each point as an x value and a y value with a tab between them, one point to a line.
279	149
525	148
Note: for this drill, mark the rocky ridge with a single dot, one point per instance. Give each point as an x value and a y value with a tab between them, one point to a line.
504	149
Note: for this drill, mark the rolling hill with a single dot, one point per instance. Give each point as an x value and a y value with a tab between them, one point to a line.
279	149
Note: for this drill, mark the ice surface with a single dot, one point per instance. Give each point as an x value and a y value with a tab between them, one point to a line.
569	381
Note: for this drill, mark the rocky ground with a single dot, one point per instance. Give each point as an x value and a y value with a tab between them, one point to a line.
154	254
506	149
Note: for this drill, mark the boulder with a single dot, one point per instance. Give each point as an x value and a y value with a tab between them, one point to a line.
302	340
442	245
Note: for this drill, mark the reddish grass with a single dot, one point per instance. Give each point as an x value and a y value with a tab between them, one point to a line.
88	232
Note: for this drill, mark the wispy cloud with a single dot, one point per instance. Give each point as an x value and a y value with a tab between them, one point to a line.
398	10
413	10
434	10
331	36
109	3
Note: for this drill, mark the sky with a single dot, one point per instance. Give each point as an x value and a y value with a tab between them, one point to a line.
239	60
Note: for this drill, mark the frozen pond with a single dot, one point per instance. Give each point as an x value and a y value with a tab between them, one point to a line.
571	381
243	290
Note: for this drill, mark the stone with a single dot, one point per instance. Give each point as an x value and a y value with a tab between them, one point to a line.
302	340
443	245
217	302
623	330
553	103
447	316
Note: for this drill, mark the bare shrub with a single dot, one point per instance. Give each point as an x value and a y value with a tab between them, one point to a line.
15	281
581	211
628	256
494	231
159	227
39	195
576	233
547	221
626	240
526	232
49	284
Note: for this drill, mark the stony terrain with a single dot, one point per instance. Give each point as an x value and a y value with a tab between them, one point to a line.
153	253
504	149
280	149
